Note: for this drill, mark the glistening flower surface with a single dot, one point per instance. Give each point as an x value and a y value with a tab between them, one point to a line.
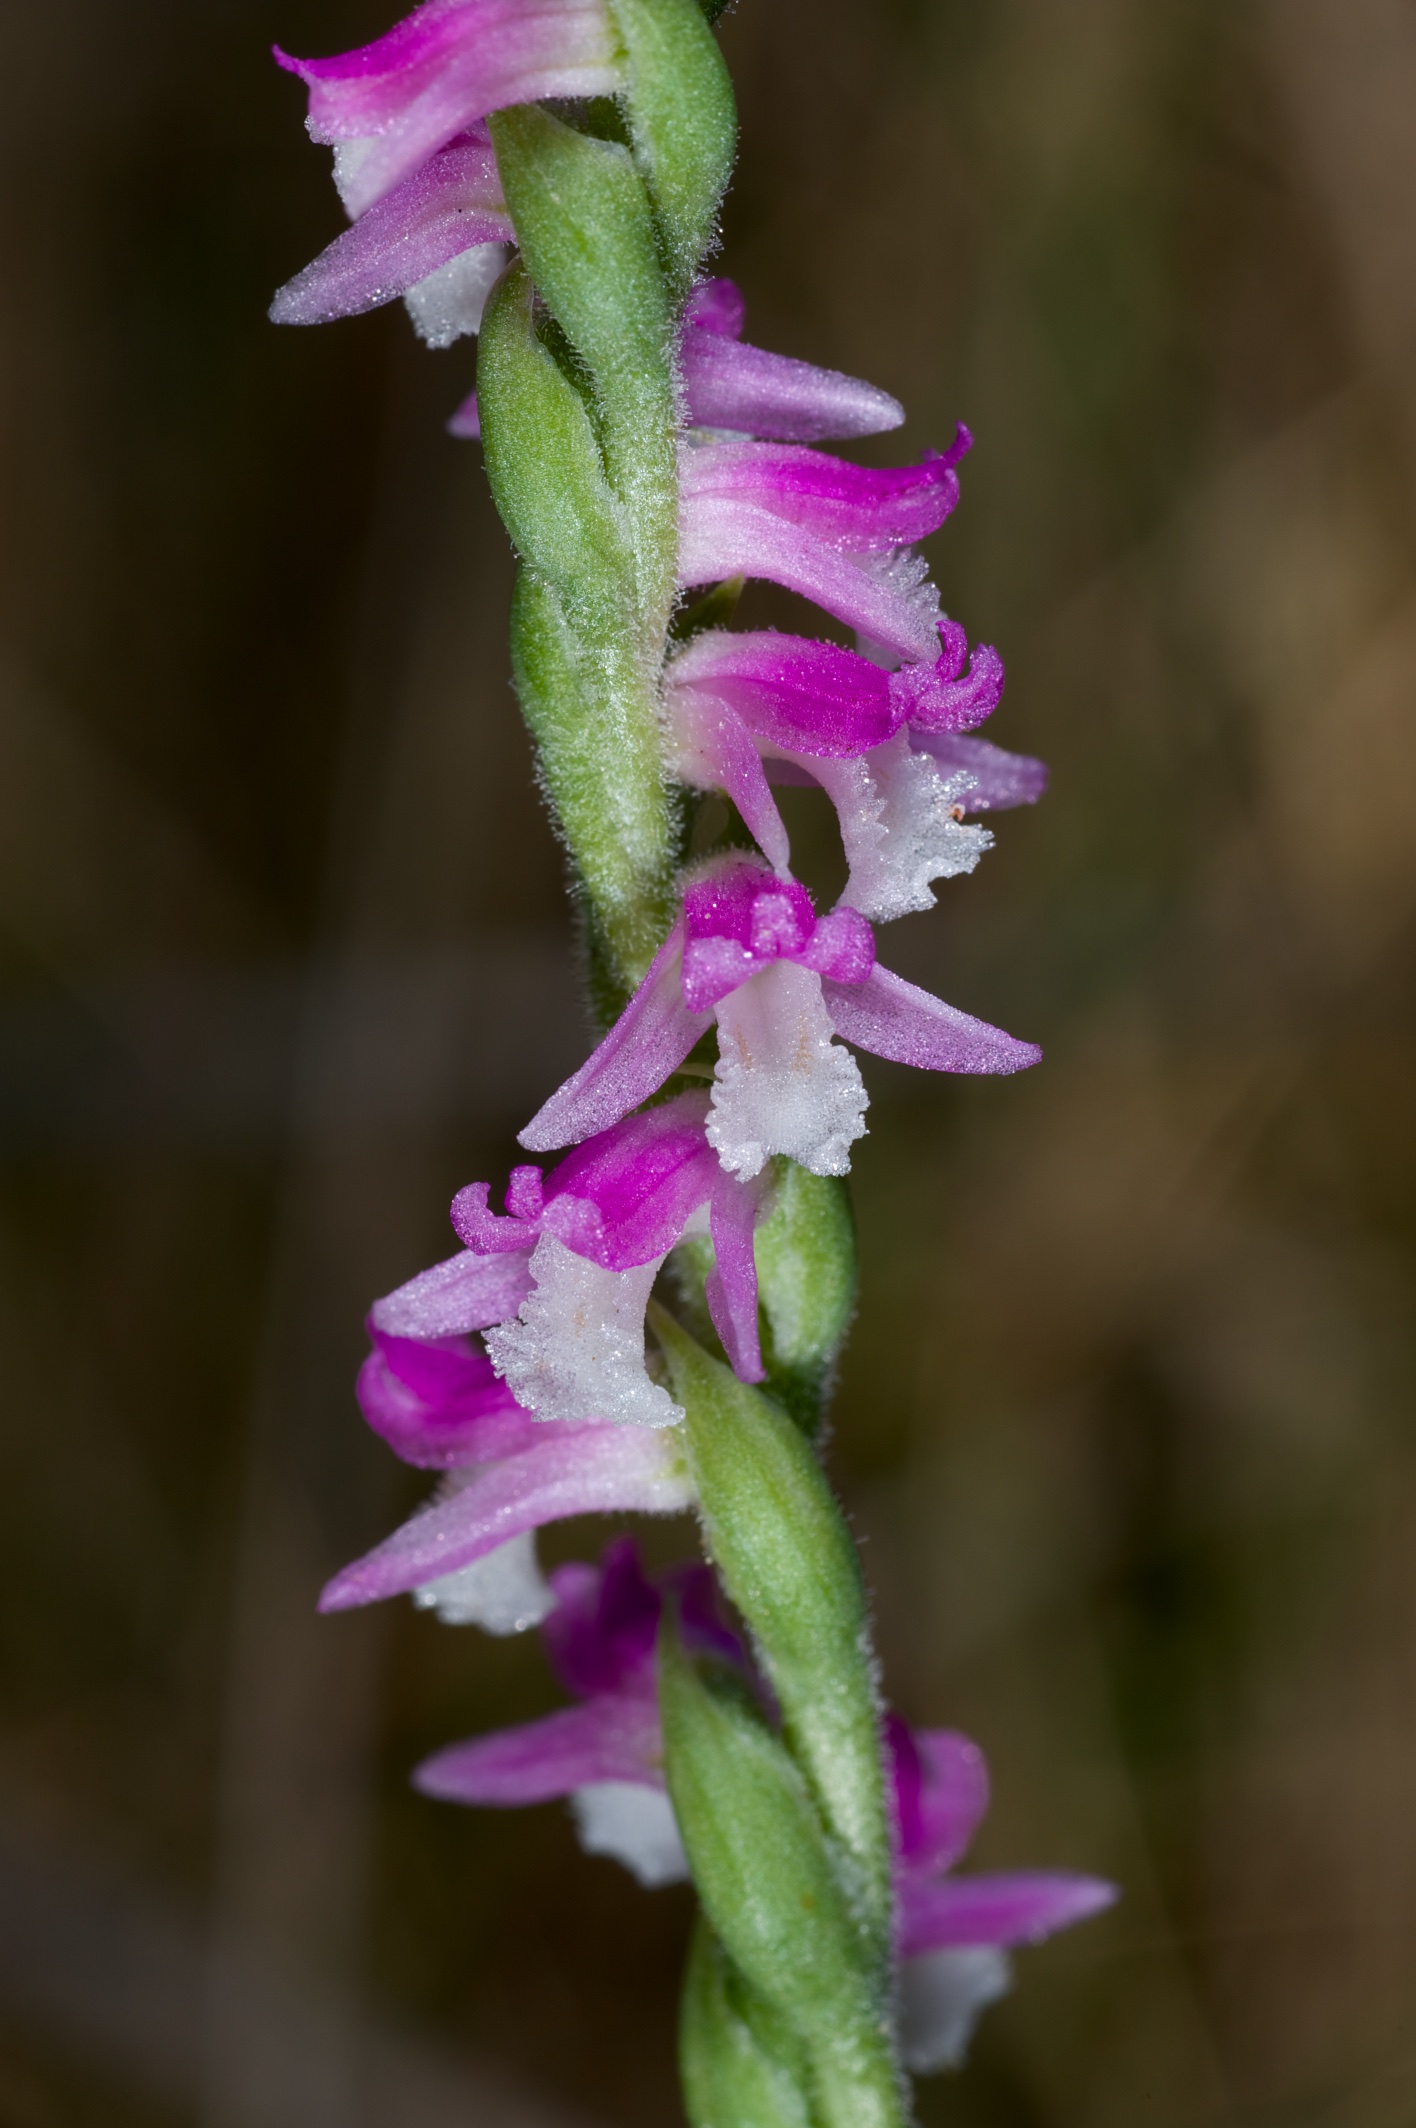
750	953
438	239
651	1325
389	105
469	1553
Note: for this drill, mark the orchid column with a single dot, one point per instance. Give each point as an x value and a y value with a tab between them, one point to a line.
660	1313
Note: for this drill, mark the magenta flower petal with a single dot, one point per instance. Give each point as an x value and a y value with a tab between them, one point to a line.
601	1635
892	1018
732	1283
624	1197
489	1233
452	203
942	697
612	1738
953	1795
999	779
711	748
717	306
842	947
444	67
939	1790
860	509
1015	1906
466	421
440	1405
887	598
648	1041
730	385
463	1293
577	1470
737	920
789	691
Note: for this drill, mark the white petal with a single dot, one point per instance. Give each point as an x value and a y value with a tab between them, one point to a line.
449	302
634	1824
898	827
782	1084
503	1593
904	571
576	1351
942	1996
349	158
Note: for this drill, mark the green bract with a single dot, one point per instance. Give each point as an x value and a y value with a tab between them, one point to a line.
781	1546
742	2065
763	1870
546	470
807	1279
582	466
587	234
683	121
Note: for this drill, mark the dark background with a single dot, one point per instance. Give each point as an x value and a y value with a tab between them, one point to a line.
1125	1427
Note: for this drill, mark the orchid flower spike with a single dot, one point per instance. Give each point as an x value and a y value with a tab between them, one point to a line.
748	710
839	534
749	951
607	1753
638	448
388	106
438	239
955	1932
470	1552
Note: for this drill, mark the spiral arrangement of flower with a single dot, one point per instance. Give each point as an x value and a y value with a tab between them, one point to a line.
652	1324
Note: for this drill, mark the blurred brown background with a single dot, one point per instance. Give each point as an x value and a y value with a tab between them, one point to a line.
1125	1425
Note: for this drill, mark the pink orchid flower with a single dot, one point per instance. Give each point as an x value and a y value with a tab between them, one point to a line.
890	749
749	951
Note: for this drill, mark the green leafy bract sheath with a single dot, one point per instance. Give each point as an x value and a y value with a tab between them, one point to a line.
683	121
587	235
780	1543
806	1275
544	465
763	1870
742	2065
586	664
